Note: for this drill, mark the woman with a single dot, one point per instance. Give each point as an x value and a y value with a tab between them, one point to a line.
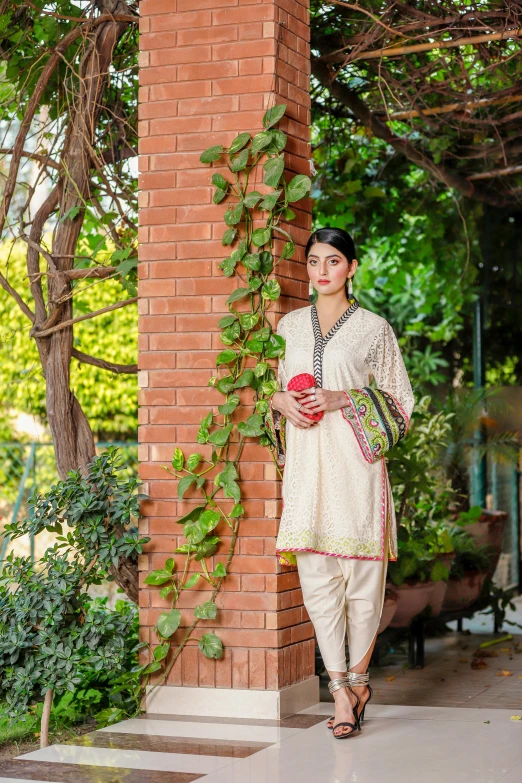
338	521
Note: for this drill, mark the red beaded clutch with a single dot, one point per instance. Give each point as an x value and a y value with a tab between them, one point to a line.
301	382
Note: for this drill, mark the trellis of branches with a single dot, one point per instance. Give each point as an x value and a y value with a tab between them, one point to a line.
68	100
440	82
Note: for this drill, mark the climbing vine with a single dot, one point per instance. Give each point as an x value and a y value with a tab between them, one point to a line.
244	363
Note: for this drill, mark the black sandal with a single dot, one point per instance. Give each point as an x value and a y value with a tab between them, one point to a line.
334	685
366	702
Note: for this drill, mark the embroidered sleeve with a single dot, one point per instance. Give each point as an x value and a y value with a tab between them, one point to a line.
386	365
380	417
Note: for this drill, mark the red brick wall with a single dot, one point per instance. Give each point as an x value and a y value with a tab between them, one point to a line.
207	74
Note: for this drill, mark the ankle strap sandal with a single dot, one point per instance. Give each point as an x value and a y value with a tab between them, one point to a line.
357	678
335	685
351	679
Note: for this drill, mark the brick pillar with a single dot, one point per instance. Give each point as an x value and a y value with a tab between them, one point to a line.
206	75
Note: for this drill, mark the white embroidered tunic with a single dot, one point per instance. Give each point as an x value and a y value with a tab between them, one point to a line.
335	502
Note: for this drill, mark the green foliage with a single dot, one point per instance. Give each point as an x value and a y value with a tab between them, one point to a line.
468	408
469	556
422	496
104	211
430	108
500	601
413	263
99	693
53	635
213	474
108	400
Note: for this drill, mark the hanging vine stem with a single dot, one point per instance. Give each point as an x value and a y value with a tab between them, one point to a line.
249	339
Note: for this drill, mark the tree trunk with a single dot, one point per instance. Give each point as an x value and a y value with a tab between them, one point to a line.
46	715
71	432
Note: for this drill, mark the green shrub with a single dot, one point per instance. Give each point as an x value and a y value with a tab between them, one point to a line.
53	635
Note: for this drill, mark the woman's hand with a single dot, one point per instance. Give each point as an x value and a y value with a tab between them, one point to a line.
286	403
324	400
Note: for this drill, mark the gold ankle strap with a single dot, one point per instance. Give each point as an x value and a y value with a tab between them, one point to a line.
338	682
358	678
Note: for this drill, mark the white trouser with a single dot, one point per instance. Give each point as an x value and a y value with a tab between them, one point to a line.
343	595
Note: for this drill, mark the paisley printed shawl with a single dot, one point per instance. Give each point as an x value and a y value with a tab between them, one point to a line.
378	422
377	419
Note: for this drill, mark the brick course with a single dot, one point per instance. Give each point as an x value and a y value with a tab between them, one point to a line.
205	75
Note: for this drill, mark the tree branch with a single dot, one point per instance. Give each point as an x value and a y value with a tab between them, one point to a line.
100	272
33	103
34	251
16	296
469	105
43	332
346	96
46	160
496	172
32	106
396	51
111	366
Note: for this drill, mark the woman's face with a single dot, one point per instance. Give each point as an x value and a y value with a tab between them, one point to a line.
328	268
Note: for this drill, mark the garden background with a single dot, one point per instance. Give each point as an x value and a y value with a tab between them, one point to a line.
417	154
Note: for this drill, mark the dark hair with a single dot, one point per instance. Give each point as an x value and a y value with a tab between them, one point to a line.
336	237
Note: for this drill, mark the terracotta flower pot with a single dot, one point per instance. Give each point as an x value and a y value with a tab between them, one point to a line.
389	608
489	529
413	599
438	590
463	591
437	595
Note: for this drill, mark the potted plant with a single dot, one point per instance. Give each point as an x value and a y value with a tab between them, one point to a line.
487	529
422	497
468	572
432	523
408	576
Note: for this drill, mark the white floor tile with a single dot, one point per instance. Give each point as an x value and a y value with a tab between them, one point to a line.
226	731
515	776
22	780
412	712
391	751
132	759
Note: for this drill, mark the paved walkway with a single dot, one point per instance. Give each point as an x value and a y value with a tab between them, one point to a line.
452	720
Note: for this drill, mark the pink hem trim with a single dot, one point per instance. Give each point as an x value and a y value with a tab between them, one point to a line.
330	554
384	516
384	499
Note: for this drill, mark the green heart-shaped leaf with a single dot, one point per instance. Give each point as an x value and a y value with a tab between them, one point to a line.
273	115
168	623
211	645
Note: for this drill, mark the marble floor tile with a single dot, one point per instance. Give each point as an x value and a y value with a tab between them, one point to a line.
108	739
17	770
129	759
296	721
515	776
412	712
204	730
391	751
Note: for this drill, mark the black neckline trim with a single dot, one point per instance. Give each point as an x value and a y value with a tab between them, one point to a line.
320	341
